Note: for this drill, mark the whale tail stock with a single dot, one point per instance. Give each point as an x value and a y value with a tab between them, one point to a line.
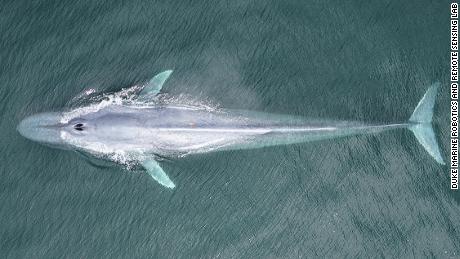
421	126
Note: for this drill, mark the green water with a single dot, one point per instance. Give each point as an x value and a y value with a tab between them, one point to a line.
357	197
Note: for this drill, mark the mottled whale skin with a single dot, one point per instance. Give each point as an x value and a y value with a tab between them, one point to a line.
179	130
151	133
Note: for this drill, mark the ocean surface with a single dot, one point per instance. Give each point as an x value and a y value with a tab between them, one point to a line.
356	197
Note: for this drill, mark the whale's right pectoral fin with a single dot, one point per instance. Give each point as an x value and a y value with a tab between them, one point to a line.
157	173
153	87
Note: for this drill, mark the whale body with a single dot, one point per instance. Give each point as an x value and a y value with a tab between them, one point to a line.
149	134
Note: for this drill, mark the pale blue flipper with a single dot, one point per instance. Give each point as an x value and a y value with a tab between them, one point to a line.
153	87
157	173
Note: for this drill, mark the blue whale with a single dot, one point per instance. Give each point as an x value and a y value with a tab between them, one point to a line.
150	133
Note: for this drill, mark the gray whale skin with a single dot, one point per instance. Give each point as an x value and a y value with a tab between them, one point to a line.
149	134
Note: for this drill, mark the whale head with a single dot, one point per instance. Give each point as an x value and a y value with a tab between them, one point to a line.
48	129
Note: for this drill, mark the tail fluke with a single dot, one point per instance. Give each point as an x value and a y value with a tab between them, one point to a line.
421	123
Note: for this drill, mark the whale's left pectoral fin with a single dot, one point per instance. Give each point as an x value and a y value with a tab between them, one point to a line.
153	87
157	173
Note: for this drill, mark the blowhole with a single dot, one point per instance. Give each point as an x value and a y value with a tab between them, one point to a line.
78	126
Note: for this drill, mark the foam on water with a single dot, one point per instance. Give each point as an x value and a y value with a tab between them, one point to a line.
90	101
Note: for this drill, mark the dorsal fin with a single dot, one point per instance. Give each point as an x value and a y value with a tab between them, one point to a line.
153	87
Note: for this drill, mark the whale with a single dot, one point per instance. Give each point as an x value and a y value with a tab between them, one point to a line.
153	132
